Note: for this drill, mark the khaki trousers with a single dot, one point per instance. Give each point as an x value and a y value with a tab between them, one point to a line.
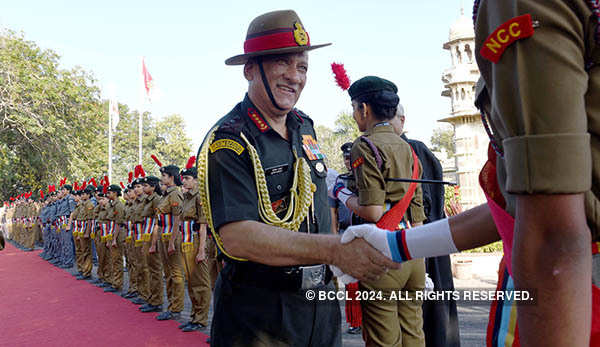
198	283
128	250
214	266
101	252
395	323
141	270
173	269
115	266
86	256
153	274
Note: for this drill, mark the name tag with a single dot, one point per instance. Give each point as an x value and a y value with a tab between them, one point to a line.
276	169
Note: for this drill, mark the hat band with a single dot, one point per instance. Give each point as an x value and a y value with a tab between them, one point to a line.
282	38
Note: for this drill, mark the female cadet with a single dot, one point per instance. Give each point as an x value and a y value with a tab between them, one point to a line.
169	214
376	157
193	248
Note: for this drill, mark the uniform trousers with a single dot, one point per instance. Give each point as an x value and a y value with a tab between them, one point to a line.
101	252
395	323
86	256
214	265
153	274
173	269
115	264
198	282
128	250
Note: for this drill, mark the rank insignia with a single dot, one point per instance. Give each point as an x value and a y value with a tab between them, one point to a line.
227	144
300	35
358	162
260	123
311	148
505	35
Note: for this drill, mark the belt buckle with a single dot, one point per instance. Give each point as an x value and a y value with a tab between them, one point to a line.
312	276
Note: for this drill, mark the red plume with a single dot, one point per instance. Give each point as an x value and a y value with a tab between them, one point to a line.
106	181
130	179
142	172
341	78
75	186
122	185
41	194
12	199
156	160
105	189
93	180
84	185
191	162
137	171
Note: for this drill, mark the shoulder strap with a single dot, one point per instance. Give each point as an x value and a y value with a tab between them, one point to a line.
394	216
378	159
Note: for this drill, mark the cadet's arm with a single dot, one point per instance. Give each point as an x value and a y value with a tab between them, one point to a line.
275	246
334	220
371	213
552	255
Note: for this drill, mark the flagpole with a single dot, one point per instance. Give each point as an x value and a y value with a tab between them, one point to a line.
109	143
140	138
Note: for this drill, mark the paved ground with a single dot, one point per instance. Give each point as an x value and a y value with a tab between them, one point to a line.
472	316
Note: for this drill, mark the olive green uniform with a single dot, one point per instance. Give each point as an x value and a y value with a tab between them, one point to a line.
101	216
116	216
142	278
198	279
170	206
129	247
76	218
390	323
86	246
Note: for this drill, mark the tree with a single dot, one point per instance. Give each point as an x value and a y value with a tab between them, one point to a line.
443	138
42	107
53	124
330	141
345	125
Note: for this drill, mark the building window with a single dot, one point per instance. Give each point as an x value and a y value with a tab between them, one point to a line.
458	55
469	53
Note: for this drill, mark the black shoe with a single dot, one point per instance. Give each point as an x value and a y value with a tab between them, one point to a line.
208	340
131	295
354	331
110	290
151	308
79	277
139	301
104	285
167	315
192	327
181	326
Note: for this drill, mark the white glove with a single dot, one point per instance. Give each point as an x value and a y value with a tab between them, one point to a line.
345	279
378	238
340	192
428	283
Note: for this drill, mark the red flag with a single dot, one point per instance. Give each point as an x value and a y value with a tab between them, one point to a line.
148	81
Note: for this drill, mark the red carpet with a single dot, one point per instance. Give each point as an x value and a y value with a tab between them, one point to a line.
41	305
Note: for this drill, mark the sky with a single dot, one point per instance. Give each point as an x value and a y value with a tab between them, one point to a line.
185	44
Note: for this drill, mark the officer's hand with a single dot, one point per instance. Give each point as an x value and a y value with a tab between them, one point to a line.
171	248
152	249
361	261
378	238
114	243
107	244
201	256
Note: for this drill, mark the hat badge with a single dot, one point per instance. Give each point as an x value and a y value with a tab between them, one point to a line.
300	35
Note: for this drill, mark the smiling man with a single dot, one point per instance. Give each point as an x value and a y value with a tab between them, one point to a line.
264	194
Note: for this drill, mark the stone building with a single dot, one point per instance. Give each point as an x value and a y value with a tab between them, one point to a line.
470	138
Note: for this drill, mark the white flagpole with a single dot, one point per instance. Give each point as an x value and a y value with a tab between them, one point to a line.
140	137
109	142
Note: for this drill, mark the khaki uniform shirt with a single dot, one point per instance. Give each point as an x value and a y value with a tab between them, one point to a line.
544	101
397	162
171	203
149	205
137	208
192	207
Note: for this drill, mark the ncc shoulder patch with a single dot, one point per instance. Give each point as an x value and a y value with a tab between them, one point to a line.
227	144
505	35
358	162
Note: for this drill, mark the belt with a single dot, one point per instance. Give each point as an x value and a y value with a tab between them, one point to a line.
292	278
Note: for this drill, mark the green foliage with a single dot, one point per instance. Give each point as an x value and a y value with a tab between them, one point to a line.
54	125
443	138
330	141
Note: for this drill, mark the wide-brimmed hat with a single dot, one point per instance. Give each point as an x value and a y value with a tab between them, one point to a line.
277	32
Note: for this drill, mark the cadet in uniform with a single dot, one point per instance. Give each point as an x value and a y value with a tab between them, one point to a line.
262	183
379	155
138	223
64	208
129	246
115	238
168	212
153	270
76	227
101	213
194	249
87	216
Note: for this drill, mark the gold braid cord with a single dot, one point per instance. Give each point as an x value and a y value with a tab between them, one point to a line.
301	192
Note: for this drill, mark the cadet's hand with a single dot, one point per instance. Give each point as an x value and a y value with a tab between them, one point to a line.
107	244
152	249
361	261
201	256
171	248
68	228
114	243
378	238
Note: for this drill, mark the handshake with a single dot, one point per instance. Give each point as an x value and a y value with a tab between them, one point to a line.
380	239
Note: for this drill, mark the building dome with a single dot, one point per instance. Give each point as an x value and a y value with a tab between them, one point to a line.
461	29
